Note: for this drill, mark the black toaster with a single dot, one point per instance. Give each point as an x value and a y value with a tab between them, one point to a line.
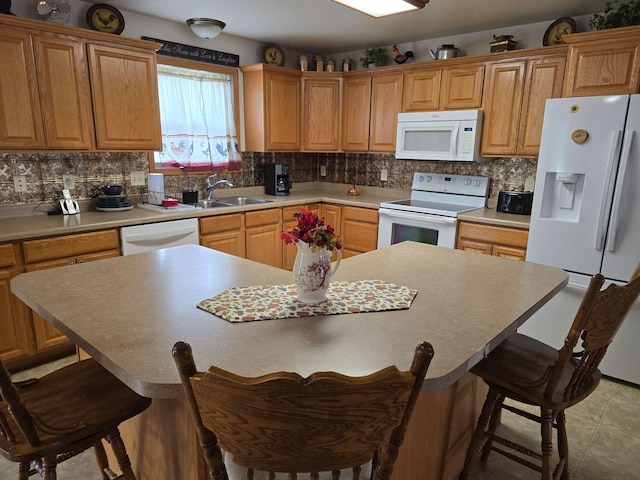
515	202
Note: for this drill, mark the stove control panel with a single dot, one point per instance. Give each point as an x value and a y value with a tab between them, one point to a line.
448	183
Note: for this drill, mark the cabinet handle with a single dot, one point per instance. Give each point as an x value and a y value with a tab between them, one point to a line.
80	261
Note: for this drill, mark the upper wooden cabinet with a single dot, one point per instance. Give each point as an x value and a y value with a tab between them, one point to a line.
322	102
446	88
514	99
57	94
356	113
604	62
272	108
386	102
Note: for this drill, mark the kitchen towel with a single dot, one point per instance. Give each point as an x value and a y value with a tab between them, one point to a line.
268	302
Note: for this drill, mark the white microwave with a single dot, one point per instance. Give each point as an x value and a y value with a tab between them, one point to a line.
452	136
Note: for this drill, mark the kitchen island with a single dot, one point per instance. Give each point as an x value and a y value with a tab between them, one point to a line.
127	313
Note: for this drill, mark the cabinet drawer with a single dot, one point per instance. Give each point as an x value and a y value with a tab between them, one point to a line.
221	223
7	258
496	235
69	245
369	215
287	212
262	217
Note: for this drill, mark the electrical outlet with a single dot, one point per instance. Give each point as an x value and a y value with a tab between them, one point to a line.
529	184
20	183
137	179
68	182
383	174
323	170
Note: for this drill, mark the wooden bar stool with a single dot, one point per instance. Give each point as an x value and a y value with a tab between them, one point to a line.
534	373
282	422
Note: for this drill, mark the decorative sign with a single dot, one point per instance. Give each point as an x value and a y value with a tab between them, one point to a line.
189	52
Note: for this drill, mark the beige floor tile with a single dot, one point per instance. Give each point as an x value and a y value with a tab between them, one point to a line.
615	446
601	469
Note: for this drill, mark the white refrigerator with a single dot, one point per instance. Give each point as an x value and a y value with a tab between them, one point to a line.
586	214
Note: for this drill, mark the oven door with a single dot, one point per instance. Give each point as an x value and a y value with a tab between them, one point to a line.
396	226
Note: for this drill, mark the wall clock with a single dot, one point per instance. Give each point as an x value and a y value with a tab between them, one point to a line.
273	55
105	18
559	28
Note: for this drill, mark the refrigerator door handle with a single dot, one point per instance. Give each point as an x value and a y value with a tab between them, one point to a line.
617	196
613	151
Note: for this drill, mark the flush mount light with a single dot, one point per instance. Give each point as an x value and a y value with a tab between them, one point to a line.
382	8
206	27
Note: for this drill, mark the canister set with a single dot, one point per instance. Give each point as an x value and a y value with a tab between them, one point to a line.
320	64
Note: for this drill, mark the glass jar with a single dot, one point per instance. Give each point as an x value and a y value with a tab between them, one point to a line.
304	62
331	66
319	63
346	64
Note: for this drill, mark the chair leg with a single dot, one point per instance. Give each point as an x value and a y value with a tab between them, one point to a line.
49	468
23	470
120	452
546	430
101	459
563	445
479	434
494	423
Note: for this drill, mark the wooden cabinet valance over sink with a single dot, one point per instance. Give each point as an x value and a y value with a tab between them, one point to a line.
66	88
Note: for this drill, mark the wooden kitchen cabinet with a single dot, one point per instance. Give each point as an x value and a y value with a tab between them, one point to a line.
421	90
262	235
604	62
272	108
16	341
322	103
60	251
502	242
290	251
515	95
359	230
225	233
386	103
50	101
356	113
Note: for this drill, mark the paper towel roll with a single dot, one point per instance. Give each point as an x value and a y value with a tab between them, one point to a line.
156	188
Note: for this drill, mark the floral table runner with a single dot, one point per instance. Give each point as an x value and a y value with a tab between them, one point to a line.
247	304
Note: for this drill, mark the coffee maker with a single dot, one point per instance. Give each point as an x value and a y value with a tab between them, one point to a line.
276	179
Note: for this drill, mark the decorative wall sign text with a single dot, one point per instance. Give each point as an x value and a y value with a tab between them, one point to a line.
189	52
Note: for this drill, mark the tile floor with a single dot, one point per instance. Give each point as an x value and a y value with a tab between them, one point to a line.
604	439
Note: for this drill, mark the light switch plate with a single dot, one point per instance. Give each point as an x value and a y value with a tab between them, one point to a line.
20	183
68	182
383	174
323	170
137	179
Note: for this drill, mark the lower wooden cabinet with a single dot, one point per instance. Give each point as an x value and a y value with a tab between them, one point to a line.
359	230
262	235
225	233
493	240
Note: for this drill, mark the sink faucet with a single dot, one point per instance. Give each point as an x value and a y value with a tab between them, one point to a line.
212	186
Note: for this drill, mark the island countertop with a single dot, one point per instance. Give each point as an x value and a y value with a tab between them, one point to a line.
127	312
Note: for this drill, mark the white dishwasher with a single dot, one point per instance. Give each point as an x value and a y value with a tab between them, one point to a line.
152	236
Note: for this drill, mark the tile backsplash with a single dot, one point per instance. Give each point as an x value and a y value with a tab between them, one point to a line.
44	172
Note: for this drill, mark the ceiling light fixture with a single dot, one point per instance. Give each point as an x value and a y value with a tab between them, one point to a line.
206	27
382	8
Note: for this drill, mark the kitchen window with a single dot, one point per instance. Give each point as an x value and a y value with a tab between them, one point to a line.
199	118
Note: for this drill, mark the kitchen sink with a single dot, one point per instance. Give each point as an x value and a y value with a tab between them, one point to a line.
230	202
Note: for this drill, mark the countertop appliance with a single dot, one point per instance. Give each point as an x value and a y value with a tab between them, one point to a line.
515	202
586	214
276	179
153	236
430	215
452	136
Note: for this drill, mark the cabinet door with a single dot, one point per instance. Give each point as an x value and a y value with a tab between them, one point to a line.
322	102
474	246
386	102
603	68
502	106
543	81
462	87
421	90
65	94
359	230
125	98
264	245
231	242
20	115
356	112
282	112
510	252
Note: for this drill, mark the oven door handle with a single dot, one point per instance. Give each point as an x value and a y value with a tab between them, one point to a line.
421	217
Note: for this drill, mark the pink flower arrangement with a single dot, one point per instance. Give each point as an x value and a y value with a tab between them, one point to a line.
312	230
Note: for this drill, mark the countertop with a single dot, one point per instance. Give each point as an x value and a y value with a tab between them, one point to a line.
29	223
466	304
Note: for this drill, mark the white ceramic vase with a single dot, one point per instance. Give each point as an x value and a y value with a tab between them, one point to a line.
312	273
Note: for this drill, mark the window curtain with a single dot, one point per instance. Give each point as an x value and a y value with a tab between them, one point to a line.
197	120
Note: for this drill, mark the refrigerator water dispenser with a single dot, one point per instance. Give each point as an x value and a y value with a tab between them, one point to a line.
562	196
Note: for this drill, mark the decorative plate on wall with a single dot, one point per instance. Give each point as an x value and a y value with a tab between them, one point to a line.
559	28
105	18
273	55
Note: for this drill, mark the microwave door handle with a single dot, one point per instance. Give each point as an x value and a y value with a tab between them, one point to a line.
617	196
613	149
456	132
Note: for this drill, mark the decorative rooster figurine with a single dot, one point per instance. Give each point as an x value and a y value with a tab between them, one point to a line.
399	57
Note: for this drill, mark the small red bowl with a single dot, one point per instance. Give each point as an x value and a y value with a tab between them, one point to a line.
169	202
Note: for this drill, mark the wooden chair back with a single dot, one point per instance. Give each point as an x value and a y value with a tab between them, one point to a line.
283	422
596	323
